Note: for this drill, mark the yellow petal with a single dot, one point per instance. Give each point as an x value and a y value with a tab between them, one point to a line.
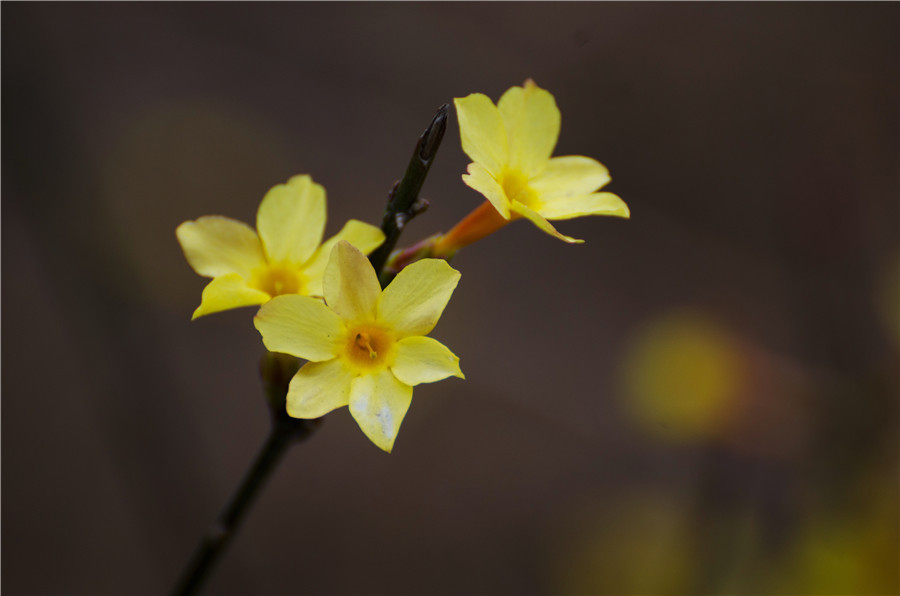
598	203
379	402
226	292
350	284
570	176
318	388
291	220
532	122
363	236
424	360
414	301
216	245
482	181
542	223
300	326
481	131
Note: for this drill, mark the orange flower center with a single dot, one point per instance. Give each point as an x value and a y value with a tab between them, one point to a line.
369	346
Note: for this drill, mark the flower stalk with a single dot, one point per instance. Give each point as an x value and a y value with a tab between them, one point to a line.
276	371
482	221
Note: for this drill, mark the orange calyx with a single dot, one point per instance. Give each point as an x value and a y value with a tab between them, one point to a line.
481	222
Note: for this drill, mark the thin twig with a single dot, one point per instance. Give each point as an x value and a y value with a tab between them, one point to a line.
282	435
404	202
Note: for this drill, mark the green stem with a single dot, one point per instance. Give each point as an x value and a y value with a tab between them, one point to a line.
404	202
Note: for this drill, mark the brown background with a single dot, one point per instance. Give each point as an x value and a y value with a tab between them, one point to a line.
757	146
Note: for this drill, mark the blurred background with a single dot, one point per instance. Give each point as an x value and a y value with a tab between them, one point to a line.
701	400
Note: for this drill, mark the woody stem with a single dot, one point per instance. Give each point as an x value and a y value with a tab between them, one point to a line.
281	436
404	202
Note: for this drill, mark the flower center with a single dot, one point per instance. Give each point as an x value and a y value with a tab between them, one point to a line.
515	186
364	341
275	280
369	346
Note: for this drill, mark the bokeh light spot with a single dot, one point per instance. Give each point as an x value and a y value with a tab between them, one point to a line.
682	376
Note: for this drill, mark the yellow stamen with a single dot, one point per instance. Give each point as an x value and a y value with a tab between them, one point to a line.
362	340
369	347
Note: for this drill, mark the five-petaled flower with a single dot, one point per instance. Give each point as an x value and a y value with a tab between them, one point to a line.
287	256
366	347
510	145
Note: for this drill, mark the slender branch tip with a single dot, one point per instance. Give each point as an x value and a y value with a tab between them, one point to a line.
432	136
403	203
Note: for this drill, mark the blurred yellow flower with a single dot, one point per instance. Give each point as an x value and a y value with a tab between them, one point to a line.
510	145
286	256
683	376
366	348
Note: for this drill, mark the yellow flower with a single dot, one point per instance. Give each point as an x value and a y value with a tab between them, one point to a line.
510	145
366	348
287	256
